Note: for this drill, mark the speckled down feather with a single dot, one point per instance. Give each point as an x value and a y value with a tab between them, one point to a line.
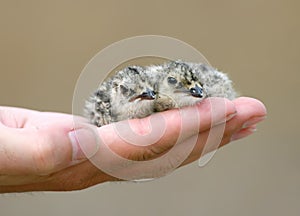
136	92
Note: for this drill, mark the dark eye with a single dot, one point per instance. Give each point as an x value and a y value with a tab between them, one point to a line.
172	80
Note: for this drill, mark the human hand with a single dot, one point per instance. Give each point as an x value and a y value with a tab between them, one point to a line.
36	153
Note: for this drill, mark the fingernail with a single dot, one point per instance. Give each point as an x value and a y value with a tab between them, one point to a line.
230	116
243	133
84	144
252	128
253	121
227	118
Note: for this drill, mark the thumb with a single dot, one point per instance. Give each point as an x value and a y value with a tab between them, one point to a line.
43	150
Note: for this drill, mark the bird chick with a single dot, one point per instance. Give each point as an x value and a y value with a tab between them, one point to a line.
137	92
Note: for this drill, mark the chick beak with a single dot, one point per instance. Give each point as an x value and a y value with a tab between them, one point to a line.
146	95
196	91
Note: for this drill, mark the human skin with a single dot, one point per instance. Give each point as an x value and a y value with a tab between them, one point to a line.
37	153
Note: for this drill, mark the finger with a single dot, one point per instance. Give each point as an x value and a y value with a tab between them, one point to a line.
249	112
255	107
244	132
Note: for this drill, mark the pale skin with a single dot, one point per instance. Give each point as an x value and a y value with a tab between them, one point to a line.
36	153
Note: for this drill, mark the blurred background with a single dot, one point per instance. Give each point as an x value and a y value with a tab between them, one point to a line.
44	45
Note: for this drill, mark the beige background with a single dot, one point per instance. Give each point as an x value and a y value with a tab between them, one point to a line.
44	45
